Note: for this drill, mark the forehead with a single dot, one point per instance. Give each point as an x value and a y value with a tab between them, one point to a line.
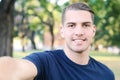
78	16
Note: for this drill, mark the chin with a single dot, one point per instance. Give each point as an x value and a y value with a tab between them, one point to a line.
79	51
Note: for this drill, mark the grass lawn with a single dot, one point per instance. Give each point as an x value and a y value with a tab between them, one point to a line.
111	60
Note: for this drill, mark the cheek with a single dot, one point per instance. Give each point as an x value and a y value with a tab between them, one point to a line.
64	33
90	34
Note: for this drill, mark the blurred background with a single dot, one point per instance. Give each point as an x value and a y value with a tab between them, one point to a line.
27	26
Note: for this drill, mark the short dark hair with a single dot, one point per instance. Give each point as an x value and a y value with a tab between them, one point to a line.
77	6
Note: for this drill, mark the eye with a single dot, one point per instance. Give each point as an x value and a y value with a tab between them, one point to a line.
86	25
71	25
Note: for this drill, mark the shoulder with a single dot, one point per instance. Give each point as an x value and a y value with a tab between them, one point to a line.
42	57
99	66
44	53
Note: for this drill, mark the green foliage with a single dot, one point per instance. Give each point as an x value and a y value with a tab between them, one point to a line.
43	13
107	17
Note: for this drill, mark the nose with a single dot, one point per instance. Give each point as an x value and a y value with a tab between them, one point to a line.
79	31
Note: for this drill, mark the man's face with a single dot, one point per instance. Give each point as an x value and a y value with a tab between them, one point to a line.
78	30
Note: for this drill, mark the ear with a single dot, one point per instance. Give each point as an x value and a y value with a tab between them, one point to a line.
62	31
94	30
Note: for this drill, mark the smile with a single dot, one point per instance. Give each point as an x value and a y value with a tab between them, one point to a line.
80	39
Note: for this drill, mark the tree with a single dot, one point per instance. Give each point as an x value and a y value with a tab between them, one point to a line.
47	16
107	21
114	24
44	13
6	27
22	23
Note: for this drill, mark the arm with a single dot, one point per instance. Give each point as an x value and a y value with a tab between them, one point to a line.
16	69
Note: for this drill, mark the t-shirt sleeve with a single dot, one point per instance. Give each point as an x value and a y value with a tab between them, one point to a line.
38	60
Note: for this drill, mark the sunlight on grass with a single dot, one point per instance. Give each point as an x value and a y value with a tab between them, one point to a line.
107	58
22	54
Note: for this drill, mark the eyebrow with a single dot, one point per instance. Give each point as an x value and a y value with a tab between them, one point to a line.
87	22
71	23
82	23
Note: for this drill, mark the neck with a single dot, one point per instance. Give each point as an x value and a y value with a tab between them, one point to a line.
79	58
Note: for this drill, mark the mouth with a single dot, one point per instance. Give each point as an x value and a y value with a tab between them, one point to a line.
79	41
83	39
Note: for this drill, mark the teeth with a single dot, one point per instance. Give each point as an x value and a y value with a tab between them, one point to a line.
79	39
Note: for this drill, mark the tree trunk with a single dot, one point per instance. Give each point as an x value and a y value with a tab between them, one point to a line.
52	35
6	27
32	39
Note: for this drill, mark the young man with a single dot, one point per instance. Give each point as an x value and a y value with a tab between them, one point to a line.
71	63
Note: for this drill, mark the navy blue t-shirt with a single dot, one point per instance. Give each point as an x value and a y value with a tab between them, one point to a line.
55	65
